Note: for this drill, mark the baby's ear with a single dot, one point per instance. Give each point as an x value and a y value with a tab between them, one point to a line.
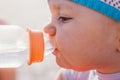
118	38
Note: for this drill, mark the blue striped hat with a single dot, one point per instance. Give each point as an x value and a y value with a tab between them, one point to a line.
110	8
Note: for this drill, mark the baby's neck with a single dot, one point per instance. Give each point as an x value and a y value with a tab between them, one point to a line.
110	69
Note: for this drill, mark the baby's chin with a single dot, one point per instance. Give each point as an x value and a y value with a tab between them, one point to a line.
63	64
82	68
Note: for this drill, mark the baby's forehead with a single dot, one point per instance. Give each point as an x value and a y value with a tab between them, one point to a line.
59	0
60	3
65	5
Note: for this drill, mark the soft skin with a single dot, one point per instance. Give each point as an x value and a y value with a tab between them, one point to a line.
84	39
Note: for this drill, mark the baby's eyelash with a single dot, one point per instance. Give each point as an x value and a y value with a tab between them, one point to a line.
63	19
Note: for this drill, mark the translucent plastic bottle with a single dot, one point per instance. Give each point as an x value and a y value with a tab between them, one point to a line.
18	46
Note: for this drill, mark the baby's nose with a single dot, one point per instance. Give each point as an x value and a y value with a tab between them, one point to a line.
50	30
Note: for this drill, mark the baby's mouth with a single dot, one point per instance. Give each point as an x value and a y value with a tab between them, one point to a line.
55	51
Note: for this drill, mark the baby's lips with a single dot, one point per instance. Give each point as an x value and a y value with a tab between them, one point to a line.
36	46
55	51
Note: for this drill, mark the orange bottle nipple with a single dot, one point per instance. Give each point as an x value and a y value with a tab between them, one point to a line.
36	46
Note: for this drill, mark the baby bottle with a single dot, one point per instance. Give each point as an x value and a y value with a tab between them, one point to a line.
18	46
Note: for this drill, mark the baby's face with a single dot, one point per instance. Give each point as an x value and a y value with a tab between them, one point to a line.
81	36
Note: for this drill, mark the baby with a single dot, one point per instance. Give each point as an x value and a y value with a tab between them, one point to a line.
86	38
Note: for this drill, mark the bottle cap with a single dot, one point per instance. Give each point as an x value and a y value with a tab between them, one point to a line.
36	46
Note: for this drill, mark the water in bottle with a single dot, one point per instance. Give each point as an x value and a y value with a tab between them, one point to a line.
18	46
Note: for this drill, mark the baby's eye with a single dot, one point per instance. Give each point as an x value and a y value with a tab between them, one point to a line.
64	19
